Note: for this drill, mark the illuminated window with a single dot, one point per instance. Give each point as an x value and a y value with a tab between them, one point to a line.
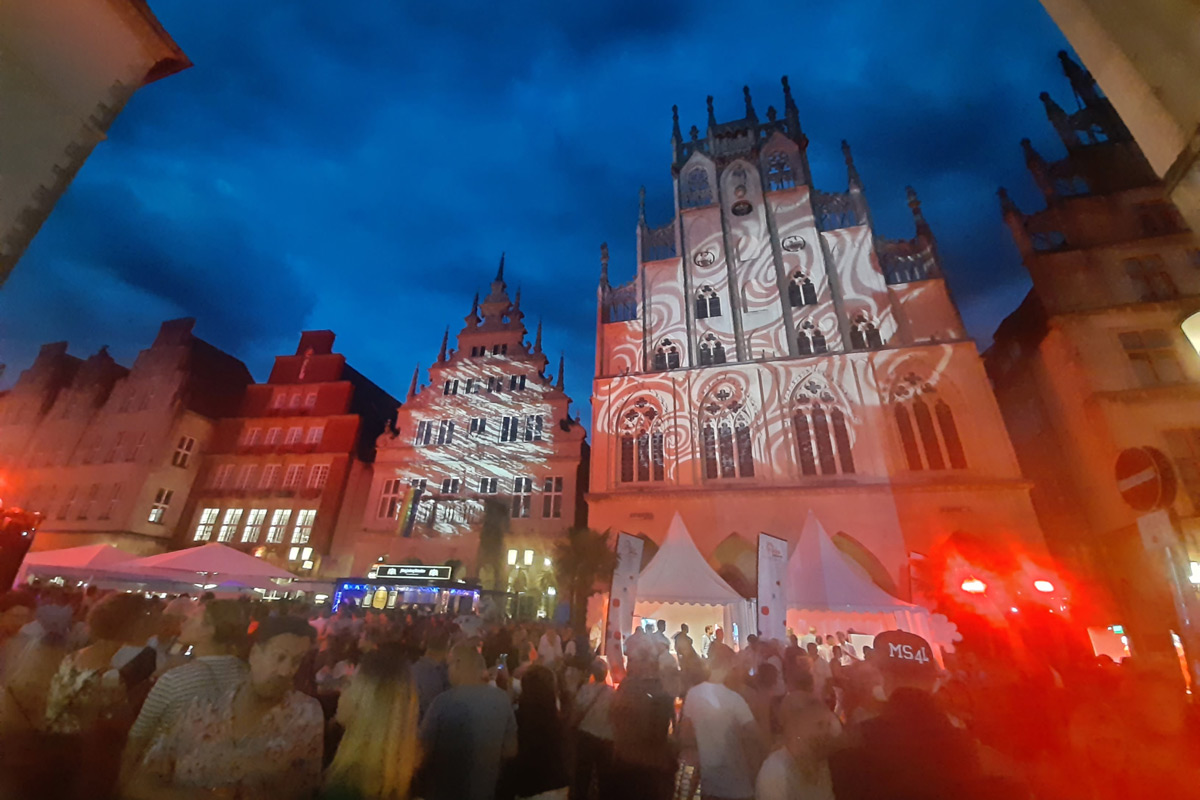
641	442
450	486
528	558
390	498
291	478
254	523
304	525
273	435
516	382
229	525
294	435
318	474
726	436
220	476
930	438
487	485
445	432
666	356
1152	354
512	558
801	291
552	498
711	350
315	435
509	428
907	438
114	452
954	448
533	428
245	478
424	433
451	387
522	497
250	436
278	526
208	521
708	303
270	476
183	452
478	426
310	400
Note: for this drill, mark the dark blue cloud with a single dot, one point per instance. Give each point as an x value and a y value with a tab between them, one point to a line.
361	166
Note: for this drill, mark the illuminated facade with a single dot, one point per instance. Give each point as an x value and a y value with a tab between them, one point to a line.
773	355
275	475
108	453
68	69
1094	361
491	425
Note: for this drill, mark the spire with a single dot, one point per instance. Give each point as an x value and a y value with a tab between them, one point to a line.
771	113
642	206
1006	203
1038	169
412	387
472	319
914	205
559	384
500	272
1081	80
712	117
749	104
445	341
792	115
517	302
604	264
789	105
855	182
1059	119
676	135
537	341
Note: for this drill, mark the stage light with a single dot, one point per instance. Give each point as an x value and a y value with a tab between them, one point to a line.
974	586
1043	586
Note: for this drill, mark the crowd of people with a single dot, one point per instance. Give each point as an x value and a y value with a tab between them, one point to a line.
121	696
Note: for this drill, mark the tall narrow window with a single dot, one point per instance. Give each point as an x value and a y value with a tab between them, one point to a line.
136	452
954	448
745	450
450	485
487	485
294	434
206	525
666	356
820	424
478	426
801	291
445	432
929	437
221	477
278	526
627	452
912	453
857	340
841	437
315	434
451	387
254	523
113	497
291	478
245	477
318	475
424	433
533	428
522	497
229	524
818	343
183	452
643	461
708	303
873	336
162	501
310	400
552	494
305	518
711	350
725	440
390	498
509	428
808	463
114	452
804	345
656	455
64	510
270	476
274	435
710	452
516	383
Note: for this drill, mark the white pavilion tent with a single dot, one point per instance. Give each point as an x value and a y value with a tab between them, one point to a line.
78	563
679	586
212	563
829	591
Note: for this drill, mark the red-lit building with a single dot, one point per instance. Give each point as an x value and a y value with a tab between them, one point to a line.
274	478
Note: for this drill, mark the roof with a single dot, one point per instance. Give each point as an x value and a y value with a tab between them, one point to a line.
679	574
91	555
209	560
821	577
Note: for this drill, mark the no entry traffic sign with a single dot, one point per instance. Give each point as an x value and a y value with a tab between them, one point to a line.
1145	478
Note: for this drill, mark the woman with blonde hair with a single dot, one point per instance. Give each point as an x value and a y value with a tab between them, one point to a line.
377	756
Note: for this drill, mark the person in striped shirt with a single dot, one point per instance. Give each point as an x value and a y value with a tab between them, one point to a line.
216	632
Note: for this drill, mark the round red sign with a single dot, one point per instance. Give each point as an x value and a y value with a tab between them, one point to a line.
1145	478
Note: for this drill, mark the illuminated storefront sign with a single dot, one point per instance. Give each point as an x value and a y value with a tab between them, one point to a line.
413	572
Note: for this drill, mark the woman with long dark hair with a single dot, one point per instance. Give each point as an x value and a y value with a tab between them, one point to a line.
539	770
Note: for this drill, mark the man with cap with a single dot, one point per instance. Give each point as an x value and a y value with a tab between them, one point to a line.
911	750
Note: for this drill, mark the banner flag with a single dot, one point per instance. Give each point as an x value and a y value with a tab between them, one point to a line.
621	600
406	516
772	587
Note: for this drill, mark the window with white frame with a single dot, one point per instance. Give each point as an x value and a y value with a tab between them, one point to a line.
451	387
291	478
113	497
318	474
137	448
158	510
273	435
310	400
496	384
522	497
450	486
552	491
278	526
279	400
478	426
270	476
64	510
516	382
220	476
294	435
445	432
315	434
206	525
509	428
390	498
251	436
183	452
254	523
472	386
304	525
245	477
93	451
487	485
424	432
294	400
114	452
533	428
229	524
90	502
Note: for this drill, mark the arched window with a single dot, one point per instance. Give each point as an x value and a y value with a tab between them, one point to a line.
810	341
666	356
779	171
801	291
864	334
804	344
822	433
708	303
640	429
696	189
711	350
728	446
934	442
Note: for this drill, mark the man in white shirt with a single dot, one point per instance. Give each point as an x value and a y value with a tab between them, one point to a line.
719	729
799	770
550	649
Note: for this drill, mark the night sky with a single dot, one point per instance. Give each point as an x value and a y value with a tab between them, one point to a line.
361	166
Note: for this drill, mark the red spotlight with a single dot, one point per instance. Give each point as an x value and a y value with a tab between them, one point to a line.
974	586
1046	587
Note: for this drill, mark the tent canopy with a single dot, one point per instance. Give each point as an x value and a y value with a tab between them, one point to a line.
822	578
679	574
90	555
212	560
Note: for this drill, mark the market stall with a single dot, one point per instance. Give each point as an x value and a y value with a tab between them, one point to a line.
74	563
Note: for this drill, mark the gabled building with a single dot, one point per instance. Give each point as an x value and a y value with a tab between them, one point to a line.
1094	361
492	424
773	354
110	455
275	475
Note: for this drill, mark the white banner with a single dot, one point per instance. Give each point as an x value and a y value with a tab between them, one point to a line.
772	587
621	599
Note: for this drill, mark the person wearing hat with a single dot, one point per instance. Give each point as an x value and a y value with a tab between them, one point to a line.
912	749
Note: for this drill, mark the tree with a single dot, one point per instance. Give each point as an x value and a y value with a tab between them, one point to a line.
490	557
581	560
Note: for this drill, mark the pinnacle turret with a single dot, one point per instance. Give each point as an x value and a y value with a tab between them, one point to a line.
412	387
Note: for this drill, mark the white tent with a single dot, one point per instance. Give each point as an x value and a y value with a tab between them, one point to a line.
678	585
829	591
212	563
79	563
